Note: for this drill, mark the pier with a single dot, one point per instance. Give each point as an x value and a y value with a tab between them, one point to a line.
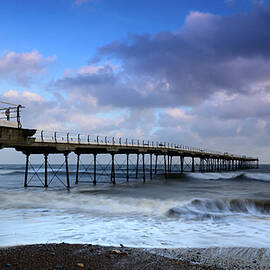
151	157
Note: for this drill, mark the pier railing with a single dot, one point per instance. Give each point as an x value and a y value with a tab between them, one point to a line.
43	136
11	114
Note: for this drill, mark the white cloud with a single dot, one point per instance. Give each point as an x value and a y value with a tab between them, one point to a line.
81	2
22	67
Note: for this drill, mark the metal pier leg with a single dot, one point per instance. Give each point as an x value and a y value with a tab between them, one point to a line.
127	168
193	165
168	164
143	168
67	173
77	169
95	169
165	166
156	164
182	164
26	170
46	170
137	166
113	171
203	165
151	172
171	163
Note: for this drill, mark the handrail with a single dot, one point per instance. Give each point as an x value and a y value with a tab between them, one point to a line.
71	138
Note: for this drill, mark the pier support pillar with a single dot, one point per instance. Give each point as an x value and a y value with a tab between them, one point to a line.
26	169
257	165
95	169
113	171
46	170
127	167
77	169
193	165
67	172
182	164
151	172
137	165
156	164
143	168
165	167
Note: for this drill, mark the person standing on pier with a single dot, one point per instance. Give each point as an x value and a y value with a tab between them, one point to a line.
7	112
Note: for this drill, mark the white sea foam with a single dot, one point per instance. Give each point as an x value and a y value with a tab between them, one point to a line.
6	172
265	177
85	202
215	175
221	208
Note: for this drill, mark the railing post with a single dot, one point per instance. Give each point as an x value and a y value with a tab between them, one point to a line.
18	116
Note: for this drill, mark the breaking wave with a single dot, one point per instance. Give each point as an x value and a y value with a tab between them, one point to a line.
221	208
216	176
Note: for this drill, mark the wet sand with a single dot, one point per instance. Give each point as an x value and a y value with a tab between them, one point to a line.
73	256
87	256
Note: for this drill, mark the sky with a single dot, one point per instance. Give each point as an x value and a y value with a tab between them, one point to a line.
191	72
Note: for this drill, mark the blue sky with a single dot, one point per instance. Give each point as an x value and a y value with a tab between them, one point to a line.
73	32
191	72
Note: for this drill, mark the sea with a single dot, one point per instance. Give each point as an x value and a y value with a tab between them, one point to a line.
211	209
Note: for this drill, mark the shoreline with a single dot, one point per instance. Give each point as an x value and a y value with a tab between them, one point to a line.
87	256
